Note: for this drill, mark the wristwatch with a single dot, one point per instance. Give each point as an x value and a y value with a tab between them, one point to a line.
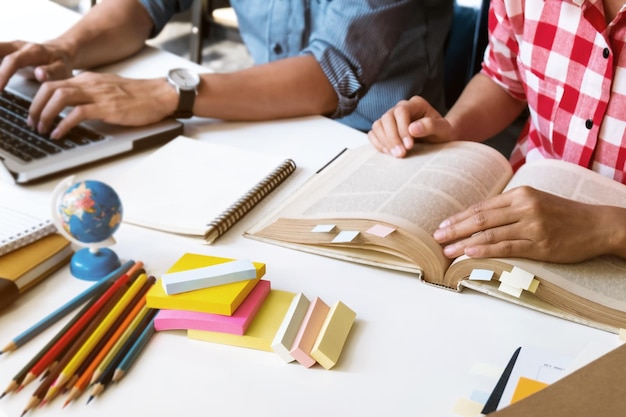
186	83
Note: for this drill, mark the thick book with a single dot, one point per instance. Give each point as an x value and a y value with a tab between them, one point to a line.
25	267
370	208
198	188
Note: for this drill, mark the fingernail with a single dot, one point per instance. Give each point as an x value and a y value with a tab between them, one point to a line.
407	142
444	223
30	122
439	234
449	251
397	151
471	251
54	134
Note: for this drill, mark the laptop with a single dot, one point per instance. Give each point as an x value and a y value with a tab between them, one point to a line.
28	156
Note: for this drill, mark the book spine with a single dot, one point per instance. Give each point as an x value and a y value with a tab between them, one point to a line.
237	210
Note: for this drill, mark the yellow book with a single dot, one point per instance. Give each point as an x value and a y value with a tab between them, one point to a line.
262	329
25	267
222	299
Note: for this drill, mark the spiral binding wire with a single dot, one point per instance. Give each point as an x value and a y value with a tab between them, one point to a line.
243	205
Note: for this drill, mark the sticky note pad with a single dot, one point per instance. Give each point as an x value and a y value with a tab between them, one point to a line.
236	324
308	332
286	333
263	328
333	335
223	299
208	276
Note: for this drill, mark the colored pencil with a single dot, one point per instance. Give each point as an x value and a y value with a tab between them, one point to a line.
55	351
129	359
119	343
107	375
137	310
19	377
70	368
62	311
40	393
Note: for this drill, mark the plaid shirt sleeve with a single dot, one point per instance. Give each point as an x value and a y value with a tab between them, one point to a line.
560	57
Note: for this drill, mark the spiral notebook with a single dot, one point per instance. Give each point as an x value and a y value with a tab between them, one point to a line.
198	188
18	229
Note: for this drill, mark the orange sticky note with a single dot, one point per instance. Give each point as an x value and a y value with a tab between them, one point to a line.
525	387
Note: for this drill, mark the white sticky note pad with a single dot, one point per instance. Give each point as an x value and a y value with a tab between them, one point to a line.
481	275
518	278
323	228
380	230
210	276
345	236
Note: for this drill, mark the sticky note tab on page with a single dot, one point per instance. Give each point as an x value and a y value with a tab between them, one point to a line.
209	276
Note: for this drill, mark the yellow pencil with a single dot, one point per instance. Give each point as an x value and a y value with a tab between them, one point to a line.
89	344
104	363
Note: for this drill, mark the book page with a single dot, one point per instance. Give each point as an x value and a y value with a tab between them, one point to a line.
594	289
413	194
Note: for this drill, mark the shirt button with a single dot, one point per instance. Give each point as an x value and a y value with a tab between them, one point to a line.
277	49
589	124
606	52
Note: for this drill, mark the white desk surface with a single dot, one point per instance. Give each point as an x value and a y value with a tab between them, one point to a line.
410	352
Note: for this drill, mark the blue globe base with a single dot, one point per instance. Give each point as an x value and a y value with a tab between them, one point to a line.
92	266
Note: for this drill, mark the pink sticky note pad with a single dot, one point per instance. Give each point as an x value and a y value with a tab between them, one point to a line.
235	324
307	334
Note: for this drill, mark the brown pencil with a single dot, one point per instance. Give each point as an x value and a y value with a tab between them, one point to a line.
40	393
19	377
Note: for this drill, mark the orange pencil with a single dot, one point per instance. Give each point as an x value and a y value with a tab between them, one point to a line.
39	394
129	319
70	367
55	351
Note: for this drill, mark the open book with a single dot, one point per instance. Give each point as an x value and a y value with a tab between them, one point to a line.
382	211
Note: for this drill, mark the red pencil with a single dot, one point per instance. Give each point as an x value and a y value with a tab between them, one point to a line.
80	324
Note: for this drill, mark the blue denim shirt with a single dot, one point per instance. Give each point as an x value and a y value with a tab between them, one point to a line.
374	52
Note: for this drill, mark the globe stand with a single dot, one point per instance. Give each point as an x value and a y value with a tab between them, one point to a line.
91	264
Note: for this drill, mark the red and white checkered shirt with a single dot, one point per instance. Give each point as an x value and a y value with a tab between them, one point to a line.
564	60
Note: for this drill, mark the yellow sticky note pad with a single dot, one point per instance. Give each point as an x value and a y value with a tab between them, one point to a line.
222	299
525	387
333	335
261	331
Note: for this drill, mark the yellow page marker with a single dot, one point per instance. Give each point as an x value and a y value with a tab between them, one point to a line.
333	335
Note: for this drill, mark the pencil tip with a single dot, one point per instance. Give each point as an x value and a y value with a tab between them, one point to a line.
43	403
3	395
24	413
89	399
66	403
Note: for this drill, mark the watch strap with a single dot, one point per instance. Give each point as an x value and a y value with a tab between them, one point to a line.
186	99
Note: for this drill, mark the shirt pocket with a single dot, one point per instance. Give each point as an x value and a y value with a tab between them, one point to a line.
544	98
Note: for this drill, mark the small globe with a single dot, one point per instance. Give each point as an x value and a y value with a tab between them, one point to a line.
90	211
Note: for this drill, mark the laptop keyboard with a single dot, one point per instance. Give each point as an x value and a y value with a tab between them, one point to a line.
18	139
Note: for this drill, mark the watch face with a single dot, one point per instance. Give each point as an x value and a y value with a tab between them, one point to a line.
184	78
